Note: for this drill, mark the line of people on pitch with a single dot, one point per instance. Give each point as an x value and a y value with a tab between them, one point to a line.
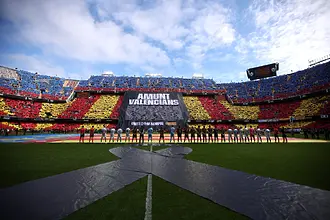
192	135
240	135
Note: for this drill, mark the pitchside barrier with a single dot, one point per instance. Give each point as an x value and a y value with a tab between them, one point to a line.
152	110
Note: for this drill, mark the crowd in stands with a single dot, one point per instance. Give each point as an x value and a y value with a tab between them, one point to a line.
298	83
52	110
34	85
278	110
199	108
23	108
106	106
310	107
24	83
195	108
214	108
103	107
242	112
122	83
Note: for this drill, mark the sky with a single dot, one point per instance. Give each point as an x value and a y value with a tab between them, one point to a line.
219	39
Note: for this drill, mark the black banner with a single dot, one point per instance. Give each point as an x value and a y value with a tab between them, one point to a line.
152	110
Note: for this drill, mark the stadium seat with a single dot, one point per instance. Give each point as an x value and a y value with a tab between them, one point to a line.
24	108
298	83
5	110
103	107
52	110
214	108
195	108
278	110
79	107
242	112
309	107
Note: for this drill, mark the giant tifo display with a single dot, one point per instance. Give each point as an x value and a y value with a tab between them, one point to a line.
31	102
153	110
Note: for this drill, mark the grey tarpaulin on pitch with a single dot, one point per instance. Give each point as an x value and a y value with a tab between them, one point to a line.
254	196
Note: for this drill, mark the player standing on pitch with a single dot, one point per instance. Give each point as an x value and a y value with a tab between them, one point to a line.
252	134
104	134
150	130
112	135
267	134
192	133
259	140
246	135
119	133
179	134
127	137
223	138
134	135
235	135
285	139
216	135
82	134
241	132
141	139
199	137
172	132
210	132
204	134
161	135
91	134
186	134
230	133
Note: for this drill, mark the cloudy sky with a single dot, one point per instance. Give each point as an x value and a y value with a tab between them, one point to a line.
217	38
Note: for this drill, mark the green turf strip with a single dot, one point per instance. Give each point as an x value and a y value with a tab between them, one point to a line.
172	202
303	163
127	203
24	162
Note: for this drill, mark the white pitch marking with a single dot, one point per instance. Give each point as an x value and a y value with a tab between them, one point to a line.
148	212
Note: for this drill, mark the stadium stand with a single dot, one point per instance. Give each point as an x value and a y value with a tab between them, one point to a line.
103	107
302	82
108	83
79	107
242	112
115	111
23	108
278	110
52	110
5	110
309	107
195	108
204	99
24	83
214	108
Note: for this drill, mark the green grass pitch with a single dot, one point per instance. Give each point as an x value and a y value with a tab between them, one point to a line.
303	163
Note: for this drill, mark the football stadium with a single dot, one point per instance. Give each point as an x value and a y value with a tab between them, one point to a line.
162	146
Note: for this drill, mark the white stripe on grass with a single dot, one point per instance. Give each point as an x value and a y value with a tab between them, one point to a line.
148	212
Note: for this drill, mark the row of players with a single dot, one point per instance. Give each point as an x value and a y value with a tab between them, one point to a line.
204	135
